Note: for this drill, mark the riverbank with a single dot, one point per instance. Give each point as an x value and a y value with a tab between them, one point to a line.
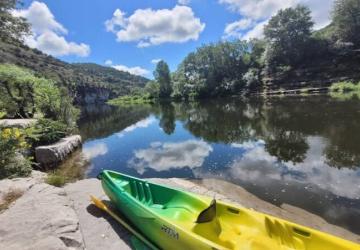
48	217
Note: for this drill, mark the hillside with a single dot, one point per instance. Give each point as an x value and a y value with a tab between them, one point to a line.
88	82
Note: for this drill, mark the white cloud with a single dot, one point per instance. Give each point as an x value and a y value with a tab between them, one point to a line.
248	144
48	33
108	62
118	19
155	61
153	27
235	28
256	32
140	124
184	2
166	156
95	150
132	70
260	12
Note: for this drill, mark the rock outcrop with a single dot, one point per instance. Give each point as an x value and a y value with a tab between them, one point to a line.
17	123
51	155
42	218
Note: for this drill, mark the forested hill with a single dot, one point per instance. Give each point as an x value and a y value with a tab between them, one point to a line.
88	82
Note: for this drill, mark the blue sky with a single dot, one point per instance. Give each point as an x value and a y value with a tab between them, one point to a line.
131	34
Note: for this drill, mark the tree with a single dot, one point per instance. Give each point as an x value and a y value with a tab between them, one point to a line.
346	20
213	70
10	25
288	34
162	76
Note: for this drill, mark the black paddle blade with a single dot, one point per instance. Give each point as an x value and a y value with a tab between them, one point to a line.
208	214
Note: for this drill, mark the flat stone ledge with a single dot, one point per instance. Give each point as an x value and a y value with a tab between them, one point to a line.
50	156
17	123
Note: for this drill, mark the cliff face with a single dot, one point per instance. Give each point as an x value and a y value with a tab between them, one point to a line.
318	73
85	95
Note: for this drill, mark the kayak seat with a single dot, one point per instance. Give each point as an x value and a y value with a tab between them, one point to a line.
141	191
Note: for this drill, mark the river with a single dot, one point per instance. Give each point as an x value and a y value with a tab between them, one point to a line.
303	151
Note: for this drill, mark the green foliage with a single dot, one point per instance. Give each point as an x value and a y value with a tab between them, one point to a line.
78	78
17	90
288	35
213	70
153	89
10	25
13	142
55	179
23	94
162	77
131	99
346	21
49	131
345	90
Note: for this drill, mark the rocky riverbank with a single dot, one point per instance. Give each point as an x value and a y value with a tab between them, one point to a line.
48	217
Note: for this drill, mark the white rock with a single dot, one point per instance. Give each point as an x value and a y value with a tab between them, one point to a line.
17	123
51	155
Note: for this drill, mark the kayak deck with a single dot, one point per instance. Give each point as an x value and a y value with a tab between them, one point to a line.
231	228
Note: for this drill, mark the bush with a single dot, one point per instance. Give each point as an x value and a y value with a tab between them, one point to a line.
343	87
23	94
13	142
49	131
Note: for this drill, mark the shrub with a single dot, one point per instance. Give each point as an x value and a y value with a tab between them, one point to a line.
345	86
55	180
49	131
12	162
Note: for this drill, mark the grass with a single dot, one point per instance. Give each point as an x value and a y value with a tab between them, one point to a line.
9	198
56	179
131	99
345	90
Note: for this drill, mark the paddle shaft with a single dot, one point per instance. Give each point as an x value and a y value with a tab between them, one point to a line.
103	207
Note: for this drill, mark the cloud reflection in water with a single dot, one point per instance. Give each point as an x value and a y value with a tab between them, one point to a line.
165	156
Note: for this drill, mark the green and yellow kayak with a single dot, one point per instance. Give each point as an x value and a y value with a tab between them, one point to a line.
175	219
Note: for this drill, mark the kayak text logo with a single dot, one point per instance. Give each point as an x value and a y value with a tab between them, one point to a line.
169	231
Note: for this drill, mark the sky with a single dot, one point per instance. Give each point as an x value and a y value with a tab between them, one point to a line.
133	35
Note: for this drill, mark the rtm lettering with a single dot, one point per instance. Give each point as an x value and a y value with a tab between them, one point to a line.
171	232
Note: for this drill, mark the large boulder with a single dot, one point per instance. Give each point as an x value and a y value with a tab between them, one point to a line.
51	155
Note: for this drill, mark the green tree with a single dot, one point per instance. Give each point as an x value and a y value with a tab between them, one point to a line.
213	70
288	34
10	25
162	76
153	89
346	20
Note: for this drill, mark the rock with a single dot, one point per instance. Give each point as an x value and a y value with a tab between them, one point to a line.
21	184
42	218
99	230
51	155
17	123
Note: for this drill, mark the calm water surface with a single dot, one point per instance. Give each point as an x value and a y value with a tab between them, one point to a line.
303	151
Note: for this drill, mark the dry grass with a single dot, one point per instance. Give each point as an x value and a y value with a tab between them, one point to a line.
10	197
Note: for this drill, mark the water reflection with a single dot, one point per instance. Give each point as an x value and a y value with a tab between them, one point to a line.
165	156
296	150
